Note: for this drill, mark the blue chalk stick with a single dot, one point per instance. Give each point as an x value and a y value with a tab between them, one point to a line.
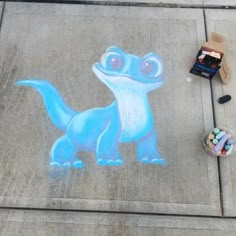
227	147
230	141
220	135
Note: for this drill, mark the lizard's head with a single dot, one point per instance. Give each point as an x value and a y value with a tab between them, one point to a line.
119	70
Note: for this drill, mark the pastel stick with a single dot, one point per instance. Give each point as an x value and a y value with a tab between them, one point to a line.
221	143
220	135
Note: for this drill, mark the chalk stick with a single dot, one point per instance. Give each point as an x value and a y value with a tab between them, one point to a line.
215	141
227	147
211	136
223	152
230	141
221	143
216	131
220	135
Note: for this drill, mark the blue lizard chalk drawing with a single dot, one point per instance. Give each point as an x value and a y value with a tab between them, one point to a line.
127	119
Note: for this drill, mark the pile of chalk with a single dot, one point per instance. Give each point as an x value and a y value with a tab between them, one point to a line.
220	142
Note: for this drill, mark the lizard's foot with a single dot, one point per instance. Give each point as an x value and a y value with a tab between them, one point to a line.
147	149
64	154
160	161
55	164
148	160
106	161
76	164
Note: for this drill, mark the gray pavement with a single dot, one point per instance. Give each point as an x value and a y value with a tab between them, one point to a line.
39	41
60	43
224	22
27	223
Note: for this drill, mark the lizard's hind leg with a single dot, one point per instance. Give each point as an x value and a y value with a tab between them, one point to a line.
147	149
64	153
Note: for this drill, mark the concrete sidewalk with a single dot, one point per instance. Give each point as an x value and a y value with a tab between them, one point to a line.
193	195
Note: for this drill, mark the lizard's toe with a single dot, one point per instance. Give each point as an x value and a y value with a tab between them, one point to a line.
117	162
67	164
145	160
102	162
55	164
159	161
78	164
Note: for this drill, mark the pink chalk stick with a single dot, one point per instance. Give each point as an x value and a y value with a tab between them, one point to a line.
211	136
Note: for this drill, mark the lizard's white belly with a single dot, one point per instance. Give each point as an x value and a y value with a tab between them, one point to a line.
135	117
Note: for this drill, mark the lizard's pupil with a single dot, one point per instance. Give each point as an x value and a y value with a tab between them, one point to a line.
147	67
116	62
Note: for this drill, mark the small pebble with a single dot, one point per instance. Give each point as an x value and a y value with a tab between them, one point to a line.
188	79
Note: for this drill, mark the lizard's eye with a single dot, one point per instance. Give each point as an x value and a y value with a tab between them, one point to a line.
151	67
112	61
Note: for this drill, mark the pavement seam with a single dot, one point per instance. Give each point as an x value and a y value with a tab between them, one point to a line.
202	5
114	212
2	15
215	125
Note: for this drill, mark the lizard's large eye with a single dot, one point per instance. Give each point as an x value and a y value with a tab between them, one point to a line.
112	61
151	67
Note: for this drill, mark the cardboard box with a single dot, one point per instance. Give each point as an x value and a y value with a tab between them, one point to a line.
211	59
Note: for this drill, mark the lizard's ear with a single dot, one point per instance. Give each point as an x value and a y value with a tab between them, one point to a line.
115	49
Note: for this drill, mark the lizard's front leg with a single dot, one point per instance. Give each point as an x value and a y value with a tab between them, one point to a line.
107	152
147	149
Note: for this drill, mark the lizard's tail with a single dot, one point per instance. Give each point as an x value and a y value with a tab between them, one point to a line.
59	113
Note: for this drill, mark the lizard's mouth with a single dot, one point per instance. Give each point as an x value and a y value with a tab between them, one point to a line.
112	80
97	67
120	80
